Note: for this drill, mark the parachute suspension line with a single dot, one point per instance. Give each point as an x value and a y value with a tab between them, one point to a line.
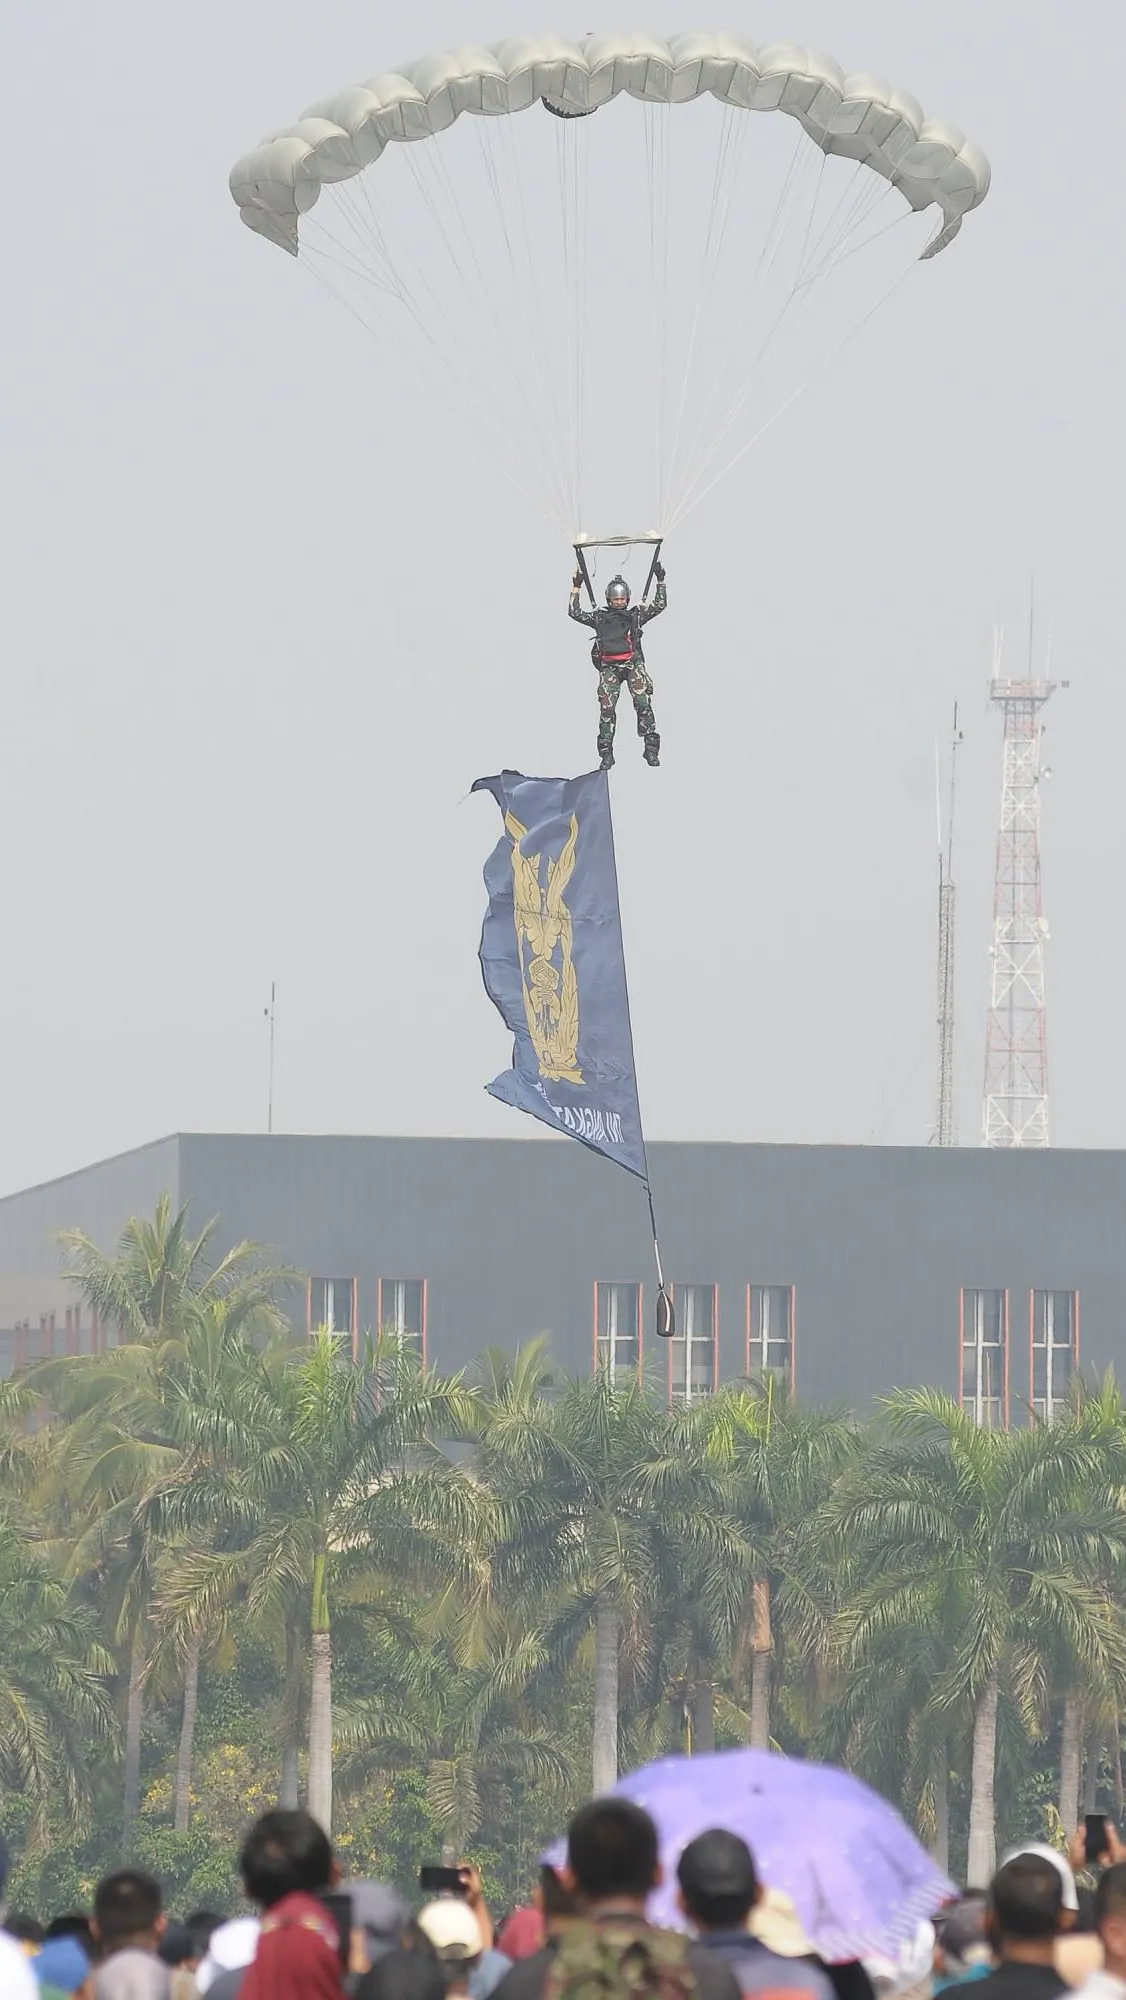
492	446
573	209
545	374
536	402
819	368
804	286
451	379
724	180
580	150
777	229
435	197
858	200
561	136
784	207
658	145
503	333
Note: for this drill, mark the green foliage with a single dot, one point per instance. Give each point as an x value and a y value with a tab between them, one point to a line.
211	1488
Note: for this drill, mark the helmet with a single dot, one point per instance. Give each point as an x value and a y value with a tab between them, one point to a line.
617	593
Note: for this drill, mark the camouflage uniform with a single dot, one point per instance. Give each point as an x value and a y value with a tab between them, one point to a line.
632	670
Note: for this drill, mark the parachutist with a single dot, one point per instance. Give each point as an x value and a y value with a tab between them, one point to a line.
617	653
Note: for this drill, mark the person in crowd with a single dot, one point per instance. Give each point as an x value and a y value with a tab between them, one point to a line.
719	1888
287	1865
380	1919
1109	1982
73	1924
1079	1952
493	1963
62	1968
962	1951
28	1932
1025	1914
182	1948
551	1912
613	1868
17	1980
409	1974
230	1950
523	1931
128	1924
455	1933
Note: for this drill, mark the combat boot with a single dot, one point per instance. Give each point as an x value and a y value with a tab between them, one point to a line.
605	750
652	748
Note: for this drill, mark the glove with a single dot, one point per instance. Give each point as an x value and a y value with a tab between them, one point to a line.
659	572
577	580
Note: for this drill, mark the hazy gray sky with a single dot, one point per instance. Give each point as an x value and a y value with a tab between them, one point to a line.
266	617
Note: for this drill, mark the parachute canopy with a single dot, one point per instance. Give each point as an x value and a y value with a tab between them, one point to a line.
537	278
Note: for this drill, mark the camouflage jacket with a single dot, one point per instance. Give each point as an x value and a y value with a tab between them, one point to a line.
607	624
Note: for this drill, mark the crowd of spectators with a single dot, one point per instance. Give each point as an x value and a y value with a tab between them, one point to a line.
306	1934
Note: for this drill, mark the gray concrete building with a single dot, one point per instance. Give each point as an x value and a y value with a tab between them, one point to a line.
850	1270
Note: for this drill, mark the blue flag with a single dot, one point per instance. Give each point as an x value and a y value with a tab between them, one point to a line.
553	963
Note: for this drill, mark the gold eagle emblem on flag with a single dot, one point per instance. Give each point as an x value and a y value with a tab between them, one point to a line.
544	942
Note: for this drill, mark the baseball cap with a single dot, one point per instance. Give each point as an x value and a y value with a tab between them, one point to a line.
380	1911
62	1963
775	1922
717	1863
1059	1862
452	1928
962	1930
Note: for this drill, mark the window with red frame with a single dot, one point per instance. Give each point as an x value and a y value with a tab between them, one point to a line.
692	1352
770	1331
332	1304
1055	1351
402	1309
985	1344
617	1327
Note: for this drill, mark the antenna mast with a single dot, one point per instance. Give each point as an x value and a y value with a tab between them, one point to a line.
946	1124
270	1013
1015	1111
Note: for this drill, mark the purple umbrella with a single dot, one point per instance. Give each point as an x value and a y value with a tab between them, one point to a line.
860	1879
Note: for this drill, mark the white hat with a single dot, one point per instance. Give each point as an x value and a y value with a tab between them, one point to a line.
452	1928
229	1948
775	1922
1059	1862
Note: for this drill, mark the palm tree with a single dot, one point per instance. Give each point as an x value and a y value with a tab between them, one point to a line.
152	1286
781	1461
54	1700
1099	1410
706	1564
296	1468
178	1323
1014	1529
577	1524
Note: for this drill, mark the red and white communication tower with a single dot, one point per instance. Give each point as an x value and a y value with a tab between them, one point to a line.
1016	1050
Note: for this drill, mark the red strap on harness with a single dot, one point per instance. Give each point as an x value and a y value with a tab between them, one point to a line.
615	659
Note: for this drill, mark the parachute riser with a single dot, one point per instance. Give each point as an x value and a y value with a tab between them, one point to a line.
622	541
580	558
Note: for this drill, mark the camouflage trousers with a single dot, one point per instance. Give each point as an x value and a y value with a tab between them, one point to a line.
611	678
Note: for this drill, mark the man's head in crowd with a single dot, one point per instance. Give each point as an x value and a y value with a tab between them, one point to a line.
962	1937
455	1935
128	1912
1110	1918
559	1903
285	1852
612	1854
1025	1908
718	1884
